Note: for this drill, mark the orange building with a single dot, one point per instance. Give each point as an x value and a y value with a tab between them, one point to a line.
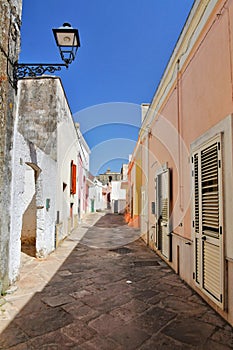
186	149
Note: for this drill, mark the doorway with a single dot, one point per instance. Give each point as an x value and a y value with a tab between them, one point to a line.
29	217
163	212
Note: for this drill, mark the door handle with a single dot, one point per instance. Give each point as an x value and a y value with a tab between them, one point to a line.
203	238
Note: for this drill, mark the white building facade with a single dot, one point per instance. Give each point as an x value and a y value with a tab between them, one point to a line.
96	201
47	147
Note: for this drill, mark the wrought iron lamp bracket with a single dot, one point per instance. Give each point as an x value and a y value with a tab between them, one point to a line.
22	70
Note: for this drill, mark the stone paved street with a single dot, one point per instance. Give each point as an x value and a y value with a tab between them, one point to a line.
94	294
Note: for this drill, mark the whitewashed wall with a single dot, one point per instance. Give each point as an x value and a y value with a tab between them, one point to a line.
45	143
95	193
24	188
118	197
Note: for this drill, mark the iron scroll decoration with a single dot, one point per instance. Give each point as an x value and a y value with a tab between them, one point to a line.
33	70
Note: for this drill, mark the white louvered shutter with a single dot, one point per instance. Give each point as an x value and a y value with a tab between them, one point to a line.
207	223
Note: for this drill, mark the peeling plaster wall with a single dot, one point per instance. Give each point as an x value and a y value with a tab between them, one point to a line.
24	188
10	21
20	202
38	113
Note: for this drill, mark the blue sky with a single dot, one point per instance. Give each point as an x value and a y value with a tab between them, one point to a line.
125	46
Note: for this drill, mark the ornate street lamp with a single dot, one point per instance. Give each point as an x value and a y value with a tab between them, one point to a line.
67	39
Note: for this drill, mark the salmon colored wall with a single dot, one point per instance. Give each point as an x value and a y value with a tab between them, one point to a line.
156	147
205	98
206	90
167	146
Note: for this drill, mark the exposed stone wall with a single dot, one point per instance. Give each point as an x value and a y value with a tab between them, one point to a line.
10	21
38	109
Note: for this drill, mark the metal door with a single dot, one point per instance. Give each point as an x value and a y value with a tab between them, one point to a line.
163	210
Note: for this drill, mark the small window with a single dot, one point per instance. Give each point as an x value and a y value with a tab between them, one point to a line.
153	208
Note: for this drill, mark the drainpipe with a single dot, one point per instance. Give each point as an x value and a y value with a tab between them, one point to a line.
147	182
179	136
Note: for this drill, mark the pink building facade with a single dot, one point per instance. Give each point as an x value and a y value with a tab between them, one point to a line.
186	157
83	183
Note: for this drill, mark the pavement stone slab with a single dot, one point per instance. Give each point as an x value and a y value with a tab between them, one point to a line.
182	306
129	336
78	332
57	300
211	317
80	294
35	306
181	291
81	312
35	324
123	314
156	299
146	295
103	343
190	331
22	346
154	319
136	306
223	337
104	324
162	342
13	335
53	341
109	304
212	345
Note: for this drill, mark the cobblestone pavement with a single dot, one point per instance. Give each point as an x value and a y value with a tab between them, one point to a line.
102	296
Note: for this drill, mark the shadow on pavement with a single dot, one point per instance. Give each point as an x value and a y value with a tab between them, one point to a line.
104	299
110	231
111	220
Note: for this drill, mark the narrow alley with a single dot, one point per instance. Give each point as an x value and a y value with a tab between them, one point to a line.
111	292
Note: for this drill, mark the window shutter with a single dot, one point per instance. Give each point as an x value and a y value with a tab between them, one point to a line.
210	190
210	220
73	178
196	217
212	269
207	219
